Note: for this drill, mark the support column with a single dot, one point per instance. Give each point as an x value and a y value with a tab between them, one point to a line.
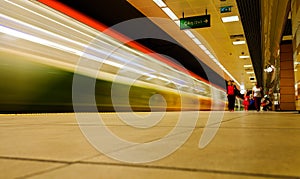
287	89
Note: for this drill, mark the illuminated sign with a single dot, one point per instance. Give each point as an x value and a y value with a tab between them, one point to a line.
195	22
225	9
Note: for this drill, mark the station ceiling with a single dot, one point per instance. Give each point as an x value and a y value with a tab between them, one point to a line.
217	38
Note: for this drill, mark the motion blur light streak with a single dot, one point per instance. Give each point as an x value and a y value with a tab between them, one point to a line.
59	16
35	39
51	35
63	24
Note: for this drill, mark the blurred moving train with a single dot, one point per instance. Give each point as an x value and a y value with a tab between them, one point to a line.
50	61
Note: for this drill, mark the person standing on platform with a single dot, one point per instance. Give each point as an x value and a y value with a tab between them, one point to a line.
257	95
231	95
246	101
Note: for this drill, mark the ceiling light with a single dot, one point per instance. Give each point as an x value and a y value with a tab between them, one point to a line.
177	22
230	19
203	47
160	3
207	52
189	33
239	42
269	68
287	37
248	66
250	72
211	56
197	41
170	13
244	56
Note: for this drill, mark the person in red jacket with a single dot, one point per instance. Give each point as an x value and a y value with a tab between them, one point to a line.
231	88
246	101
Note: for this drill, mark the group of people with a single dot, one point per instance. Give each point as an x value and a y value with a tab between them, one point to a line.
254	98
256	95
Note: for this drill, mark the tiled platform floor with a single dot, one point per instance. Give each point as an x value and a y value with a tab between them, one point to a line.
246	145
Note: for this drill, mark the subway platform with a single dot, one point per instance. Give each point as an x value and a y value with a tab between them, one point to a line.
246	145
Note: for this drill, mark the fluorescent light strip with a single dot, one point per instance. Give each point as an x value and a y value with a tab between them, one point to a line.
203	47
170	13
211	56
177	22
248	66
239	42
230	19
244	56
207	52
160	3
189	33
197	41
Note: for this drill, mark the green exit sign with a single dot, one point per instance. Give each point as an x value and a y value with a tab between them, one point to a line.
194	22
225	9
